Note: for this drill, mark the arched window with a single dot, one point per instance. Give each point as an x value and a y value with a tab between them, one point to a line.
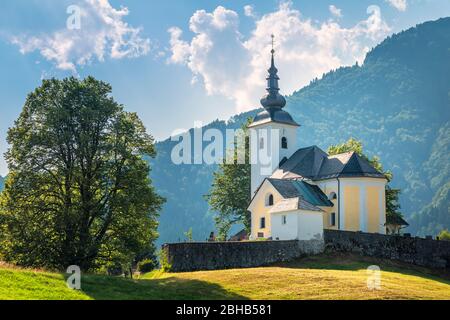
332	196
261	143
269	200
284	143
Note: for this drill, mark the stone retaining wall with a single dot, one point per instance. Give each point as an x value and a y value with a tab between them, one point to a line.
418	251
191	256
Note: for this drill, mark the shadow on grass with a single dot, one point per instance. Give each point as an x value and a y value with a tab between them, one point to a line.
351	262
172	288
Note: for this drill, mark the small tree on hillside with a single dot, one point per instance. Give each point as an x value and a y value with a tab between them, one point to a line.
230	191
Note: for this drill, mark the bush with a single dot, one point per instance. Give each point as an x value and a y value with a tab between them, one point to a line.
164	261
444	235
146	265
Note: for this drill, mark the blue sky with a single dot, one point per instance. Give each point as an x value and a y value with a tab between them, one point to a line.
176	61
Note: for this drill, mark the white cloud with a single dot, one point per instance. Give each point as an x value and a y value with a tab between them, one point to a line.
229	65
249	11
335	11
400	5
102	33
216	54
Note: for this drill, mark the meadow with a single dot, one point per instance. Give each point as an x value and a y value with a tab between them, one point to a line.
319	278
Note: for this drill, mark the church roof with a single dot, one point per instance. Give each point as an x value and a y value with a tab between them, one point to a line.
315	164
395	220
290	188
293	204
273	115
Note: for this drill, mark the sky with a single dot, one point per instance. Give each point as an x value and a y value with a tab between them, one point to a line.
176	62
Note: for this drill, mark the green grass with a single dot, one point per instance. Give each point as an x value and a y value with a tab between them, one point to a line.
321	277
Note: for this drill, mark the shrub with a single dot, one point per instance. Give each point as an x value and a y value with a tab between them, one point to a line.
164	261
146	265
444	235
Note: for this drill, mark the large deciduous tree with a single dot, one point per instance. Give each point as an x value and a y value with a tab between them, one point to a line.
78	191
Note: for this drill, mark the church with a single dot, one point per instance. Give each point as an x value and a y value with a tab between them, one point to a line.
298	192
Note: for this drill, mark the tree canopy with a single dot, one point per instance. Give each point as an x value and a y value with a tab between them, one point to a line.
229	196
78	190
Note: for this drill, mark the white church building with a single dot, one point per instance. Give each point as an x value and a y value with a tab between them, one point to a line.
297	193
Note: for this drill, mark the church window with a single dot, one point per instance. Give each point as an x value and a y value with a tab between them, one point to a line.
262	224
333	219
283	219
261	143
269	200
284	143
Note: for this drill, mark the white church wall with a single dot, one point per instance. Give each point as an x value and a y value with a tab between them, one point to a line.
290	133
288	231
310	225
300	225
267	159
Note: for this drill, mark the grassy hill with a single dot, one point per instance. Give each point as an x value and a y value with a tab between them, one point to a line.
321	277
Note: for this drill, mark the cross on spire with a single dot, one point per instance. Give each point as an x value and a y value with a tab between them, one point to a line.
273	43
273	100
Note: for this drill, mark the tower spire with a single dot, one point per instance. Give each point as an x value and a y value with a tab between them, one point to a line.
273	99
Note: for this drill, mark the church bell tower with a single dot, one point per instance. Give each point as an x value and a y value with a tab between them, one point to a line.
273	132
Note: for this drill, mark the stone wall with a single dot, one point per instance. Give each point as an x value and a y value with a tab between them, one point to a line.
191	256
418	251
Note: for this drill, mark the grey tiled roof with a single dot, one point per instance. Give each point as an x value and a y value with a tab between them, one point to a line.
305	205
285	187
309	194
313	163
293	204
273	115
396	220
305	162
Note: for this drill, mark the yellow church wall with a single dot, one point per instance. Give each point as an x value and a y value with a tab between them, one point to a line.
373	209
352	206
327	217
383	217
364	207
259	209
